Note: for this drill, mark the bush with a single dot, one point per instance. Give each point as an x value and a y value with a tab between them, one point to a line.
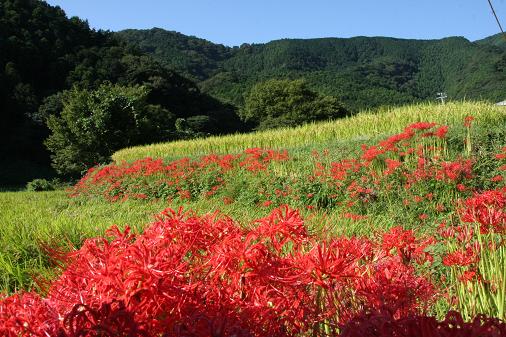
37	185
94	124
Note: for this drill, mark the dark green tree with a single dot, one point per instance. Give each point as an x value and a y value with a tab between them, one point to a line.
277	103
95	123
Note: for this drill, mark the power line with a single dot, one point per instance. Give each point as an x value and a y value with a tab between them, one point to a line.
496	18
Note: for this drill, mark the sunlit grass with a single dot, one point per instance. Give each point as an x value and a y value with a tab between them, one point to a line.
365	124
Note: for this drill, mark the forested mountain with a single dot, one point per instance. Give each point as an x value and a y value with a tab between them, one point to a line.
195	58
42	53
362	71
498	40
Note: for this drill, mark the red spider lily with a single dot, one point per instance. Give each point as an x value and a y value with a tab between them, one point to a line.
461	258
384	325
200	276
501	155
441	131
27	314
487	209
421	126
404	244
394	287
468	276
392	165
468	120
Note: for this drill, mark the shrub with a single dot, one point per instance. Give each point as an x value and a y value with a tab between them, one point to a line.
94	124
41	185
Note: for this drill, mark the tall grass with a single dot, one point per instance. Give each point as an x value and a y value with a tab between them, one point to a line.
366	124
30	220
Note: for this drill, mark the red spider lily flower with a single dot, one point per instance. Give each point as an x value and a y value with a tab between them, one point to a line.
392	165
27	314
380	324
441	131
371	153
468	276
486	209
501	155
387	288
461	258
405	245
468	120
421	126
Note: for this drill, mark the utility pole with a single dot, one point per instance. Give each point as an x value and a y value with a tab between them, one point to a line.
441	96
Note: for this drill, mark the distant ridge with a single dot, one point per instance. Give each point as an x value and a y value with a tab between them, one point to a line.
498	40
363	72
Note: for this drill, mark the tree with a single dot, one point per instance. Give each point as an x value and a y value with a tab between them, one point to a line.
276	103
95	123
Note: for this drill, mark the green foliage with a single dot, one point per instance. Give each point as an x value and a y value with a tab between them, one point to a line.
195	58
38	185
497	40
44	53
95	123
276	103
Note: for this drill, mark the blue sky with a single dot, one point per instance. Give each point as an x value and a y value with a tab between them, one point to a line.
232	22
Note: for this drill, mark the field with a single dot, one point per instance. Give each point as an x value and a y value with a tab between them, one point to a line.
375	225
365	125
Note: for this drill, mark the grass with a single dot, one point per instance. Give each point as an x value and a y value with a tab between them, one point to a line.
30	221
363	125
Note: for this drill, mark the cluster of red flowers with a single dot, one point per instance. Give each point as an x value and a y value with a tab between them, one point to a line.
403	165
190	275
181	178
421	326
205	276
406	154
486	210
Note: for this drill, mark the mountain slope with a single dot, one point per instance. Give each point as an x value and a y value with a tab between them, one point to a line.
43	52
196	58
498	40
363	72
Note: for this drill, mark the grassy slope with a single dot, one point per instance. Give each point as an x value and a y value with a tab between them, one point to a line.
30	218
27	219
363	125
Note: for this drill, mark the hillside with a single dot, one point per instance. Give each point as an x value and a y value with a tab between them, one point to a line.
355	129
498	40
362	71
43	53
